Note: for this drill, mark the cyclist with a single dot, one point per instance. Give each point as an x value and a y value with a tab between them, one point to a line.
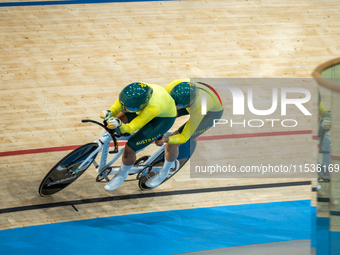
147	108
325	142
187	96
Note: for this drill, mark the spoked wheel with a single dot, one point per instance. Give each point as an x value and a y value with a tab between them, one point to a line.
67	170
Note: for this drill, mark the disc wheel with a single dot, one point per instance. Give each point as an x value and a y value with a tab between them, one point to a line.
141	160
67	170
144	178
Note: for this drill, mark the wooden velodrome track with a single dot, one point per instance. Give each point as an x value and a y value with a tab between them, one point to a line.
63	63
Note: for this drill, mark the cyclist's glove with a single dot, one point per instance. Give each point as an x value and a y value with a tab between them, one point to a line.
106	114
113	123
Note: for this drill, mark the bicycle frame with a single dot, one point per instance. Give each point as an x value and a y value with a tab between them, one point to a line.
104	147
63	172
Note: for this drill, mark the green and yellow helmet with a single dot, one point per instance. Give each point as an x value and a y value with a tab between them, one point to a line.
184	94
135	96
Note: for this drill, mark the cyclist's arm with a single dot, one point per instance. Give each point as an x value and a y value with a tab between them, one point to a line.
144	117
182	137
192	125
116	108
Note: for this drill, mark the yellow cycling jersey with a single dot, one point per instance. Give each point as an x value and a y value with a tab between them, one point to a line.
322	110
213	102
161	104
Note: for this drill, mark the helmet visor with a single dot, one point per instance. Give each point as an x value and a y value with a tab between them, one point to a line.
130	109
187	105
182	105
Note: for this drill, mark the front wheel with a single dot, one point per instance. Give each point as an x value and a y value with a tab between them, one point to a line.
67	170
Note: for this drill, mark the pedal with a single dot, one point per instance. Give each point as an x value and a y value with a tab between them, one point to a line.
144	173
104	175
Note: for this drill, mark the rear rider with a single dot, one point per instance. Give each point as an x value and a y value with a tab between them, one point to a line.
147	108
187	96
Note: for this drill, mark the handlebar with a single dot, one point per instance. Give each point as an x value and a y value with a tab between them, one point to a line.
112	132
93	121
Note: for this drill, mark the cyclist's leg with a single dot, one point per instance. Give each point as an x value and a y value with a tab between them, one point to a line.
141	139
170	163
148	134
171	150
128	157
157	128
153	130
207	122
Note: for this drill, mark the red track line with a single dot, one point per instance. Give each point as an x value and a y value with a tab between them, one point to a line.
43	150
202	138
333	157
219	137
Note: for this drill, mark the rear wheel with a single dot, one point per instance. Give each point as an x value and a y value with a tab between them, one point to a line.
184	154
141	160
67	170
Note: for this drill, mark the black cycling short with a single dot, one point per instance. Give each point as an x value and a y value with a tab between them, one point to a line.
182	112
152	130
130	115
206	123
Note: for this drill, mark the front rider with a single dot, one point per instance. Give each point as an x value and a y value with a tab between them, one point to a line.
147	108
187	96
